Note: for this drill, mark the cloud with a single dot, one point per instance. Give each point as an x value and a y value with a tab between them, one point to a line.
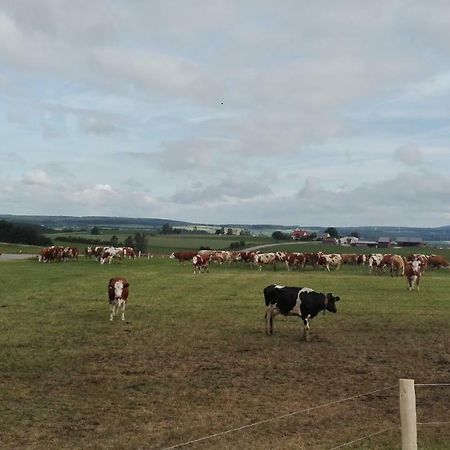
94	195
38	178
227	190
409	155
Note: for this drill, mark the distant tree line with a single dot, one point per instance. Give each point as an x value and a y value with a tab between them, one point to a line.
22	234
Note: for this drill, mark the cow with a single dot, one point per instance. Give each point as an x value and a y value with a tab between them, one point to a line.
437	261
375	262
200	263
128	252
397	265
109	253
413	273
296	301
361	260
295	260
182	257
260	259
118	296
349	258
329	260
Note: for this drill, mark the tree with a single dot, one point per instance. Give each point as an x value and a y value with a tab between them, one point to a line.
95	230
166	229
129	241
229	231
332	232
355	234
140	242
114	241
280	236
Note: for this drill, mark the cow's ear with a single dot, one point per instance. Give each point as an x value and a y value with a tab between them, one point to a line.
337	299
126	285
110	281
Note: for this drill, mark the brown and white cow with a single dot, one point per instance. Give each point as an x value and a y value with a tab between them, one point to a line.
200	263
413	273
326	261
295	259
182	257
397	265
375	262
261	259
438	261
118	296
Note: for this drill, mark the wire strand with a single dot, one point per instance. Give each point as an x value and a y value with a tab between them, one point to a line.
250	425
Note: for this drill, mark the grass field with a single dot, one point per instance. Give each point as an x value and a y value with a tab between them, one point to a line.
192	359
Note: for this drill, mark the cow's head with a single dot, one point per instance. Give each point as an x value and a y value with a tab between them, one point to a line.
330	302
416	266
118	288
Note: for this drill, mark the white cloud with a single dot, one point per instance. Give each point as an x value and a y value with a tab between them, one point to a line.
410	155
38	178
94	195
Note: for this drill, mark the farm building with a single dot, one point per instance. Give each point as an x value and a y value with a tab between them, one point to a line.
384	242
300	234
348	240
361	243
410	242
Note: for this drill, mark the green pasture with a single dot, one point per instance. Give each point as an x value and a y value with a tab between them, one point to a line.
192	358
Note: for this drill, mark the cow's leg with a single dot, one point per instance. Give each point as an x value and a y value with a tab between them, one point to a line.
269	321
306	328
417	283
271	312
287	266
113	311
123	310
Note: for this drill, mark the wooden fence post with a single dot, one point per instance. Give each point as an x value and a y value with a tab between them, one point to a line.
408	416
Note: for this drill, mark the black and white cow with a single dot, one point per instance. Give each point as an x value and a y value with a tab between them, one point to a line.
296	301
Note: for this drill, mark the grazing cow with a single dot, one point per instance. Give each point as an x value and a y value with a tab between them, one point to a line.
361	260
397	265
118	295
296	301
260	259
349	258
437	261
200	263
295	260
330	260
183	256
375	262
413	274
109	253
128	252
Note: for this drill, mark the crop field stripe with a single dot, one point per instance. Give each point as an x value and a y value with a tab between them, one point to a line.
250	425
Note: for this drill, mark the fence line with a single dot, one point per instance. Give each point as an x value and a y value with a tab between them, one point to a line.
183	444
433	423
312	408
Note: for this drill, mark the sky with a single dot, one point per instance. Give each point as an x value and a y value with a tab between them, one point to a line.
281	112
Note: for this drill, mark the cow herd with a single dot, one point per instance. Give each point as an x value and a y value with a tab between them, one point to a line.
412	266
101	253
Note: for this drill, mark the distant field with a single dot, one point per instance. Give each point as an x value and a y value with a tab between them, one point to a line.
192	358
162	244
